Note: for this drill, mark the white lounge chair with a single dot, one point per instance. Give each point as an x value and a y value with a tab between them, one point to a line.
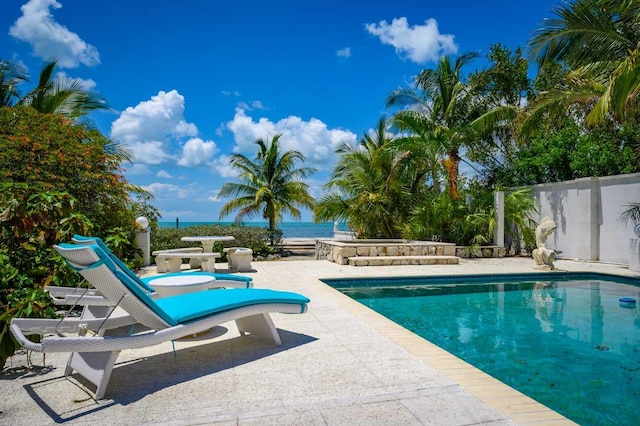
98	342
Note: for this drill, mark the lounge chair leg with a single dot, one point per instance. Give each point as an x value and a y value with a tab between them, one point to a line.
96	367
259	325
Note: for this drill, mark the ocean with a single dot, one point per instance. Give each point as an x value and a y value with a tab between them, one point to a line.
289	229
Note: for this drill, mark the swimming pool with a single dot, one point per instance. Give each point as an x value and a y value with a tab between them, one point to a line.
564	339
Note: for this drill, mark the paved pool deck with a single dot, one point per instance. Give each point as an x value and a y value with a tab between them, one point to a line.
340	364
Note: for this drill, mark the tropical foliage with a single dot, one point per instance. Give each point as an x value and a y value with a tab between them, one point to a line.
598	42
52	95
374	185
447	106
56	179
270	185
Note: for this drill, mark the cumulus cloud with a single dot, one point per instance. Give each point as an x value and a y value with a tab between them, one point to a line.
163	174
197	152
150	127
312	138
49	39
231	93
344	52
419	43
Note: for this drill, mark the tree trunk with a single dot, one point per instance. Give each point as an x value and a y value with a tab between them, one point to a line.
452	165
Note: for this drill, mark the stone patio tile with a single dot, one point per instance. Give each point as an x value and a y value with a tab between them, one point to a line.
454	408
383	414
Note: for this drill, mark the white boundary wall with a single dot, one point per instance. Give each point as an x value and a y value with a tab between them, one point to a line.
586	212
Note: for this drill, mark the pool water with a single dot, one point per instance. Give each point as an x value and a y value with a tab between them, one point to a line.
569	342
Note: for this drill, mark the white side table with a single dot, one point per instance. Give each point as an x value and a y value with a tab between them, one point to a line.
173	285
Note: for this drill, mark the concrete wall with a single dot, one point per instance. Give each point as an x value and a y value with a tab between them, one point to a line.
586	212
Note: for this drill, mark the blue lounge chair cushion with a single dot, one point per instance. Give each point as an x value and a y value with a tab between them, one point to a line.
192	306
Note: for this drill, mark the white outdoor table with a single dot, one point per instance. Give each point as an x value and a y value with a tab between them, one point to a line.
173	285
208	241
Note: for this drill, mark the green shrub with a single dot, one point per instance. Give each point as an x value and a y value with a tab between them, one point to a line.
57	178
257	239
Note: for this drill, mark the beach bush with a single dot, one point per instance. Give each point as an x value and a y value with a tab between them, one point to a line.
255	238
57	178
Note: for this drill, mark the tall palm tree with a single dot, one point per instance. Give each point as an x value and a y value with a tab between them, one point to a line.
444	98
61	96
269	185
600	42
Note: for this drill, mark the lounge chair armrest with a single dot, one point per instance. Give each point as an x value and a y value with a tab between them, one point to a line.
77	296
29	326
22	339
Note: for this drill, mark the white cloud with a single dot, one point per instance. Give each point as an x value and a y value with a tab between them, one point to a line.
151	152
197	152
85	84
167	190
420	43
312	138
344	52
231	93
49	39
223	167
250	107
150	127
163	174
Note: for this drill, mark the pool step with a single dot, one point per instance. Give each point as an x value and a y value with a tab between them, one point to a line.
403	260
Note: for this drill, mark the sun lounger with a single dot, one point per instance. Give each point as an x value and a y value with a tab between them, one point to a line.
97	342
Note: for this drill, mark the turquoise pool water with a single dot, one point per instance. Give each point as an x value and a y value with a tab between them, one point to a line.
565	340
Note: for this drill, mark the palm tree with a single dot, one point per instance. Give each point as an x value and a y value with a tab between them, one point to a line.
424	140
446	101
61	96
11	75
373	186
269	185
600	42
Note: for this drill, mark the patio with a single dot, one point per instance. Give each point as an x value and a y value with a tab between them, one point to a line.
340	364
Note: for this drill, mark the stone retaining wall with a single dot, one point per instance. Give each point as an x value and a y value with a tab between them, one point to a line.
340	251
480	252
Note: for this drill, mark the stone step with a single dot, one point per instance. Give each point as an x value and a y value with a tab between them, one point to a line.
299	244
403	260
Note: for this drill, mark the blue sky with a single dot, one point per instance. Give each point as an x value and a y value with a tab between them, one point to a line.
192	82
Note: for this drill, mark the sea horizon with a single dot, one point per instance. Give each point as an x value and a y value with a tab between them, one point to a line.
290	229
